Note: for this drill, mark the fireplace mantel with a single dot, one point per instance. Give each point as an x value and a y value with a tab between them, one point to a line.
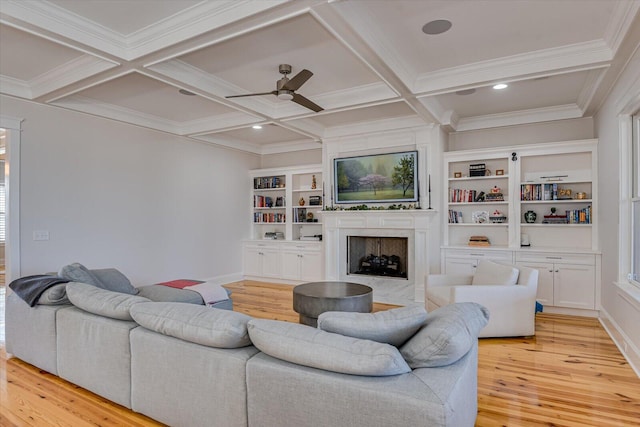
411	223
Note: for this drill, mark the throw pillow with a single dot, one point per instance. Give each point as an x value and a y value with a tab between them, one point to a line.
113	280
448	334
492	273
107	278
393	326
77	272
115	305
55	295
163	293
194	323
316	348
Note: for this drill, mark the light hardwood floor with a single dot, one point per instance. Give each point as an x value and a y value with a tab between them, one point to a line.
569	374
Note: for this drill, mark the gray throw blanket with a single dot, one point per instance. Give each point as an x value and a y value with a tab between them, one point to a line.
29	288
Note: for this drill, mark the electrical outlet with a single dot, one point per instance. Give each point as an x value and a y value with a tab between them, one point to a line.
40	235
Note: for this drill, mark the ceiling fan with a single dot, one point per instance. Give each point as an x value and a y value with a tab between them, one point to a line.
285	88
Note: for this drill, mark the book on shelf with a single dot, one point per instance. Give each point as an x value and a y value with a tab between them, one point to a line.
534	192
267	182
479	241
455	217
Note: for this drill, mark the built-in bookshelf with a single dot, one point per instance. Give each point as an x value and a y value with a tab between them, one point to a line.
541	213
286	227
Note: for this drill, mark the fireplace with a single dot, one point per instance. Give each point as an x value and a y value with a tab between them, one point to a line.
411	227
378	256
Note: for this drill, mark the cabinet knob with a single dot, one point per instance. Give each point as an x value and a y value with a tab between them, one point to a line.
550	271
260	253
557	271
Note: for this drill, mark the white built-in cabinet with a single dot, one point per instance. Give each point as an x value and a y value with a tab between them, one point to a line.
530	178
286	203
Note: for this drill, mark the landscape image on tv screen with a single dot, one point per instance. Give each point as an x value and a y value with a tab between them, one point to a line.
377	178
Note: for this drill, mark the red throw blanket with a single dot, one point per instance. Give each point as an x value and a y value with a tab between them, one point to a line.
180	283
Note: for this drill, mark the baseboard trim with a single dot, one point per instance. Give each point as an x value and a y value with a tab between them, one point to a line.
621	340
228	278
570	311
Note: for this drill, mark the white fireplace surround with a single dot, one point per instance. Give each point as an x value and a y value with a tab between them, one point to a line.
412	224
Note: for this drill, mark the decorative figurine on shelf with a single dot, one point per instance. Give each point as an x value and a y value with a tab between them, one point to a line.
309	216
530	217
301	201
496	190
313	182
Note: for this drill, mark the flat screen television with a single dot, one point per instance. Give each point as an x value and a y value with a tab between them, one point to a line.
376	178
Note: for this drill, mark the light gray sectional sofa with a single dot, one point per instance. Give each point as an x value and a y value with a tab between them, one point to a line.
190	365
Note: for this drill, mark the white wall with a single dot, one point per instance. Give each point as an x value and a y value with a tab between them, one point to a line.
294	158
535	133
621	307
154	205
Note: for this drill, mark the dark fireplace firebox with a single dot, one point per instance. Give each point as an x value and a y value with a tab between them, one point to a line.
377	256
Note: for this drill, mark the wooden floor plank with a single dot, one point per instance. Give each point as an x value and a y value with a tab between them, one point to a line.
569	375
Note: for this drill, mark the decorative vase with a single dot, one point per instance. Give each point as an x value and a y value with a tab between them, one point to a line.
530	217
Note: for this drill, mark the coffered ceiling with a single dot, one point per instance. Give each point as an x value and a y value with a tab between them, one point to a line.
373	66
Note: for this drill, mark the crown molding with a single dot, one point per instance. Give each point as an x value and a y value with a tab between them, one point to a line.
374	126
218	123
59	21
622	18
15	87
193	21
576	57
287	147
560	112
590	87
179	27
121	114
77	69
359	20
234	144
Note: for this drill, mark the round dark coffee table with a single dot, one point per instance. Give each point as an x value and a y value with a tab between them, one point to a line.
312	299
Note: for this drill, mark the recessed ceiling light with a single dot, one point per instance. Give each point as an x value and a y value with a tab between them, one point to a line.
256	127
500	86
438	26
465	91
186	92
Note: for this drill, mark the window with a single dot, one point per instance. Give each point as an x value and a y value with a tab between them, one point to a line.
635	200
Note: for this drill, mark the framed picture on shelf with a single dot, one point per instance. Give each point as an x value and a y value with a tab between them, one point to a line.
480	217
499	171
457	174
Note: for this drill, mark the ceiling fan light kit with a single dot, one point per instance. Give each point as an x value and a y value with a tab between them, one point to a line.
286	87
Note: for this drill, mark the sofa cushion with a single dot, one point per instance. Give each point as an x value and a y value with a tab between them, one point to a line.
202	325
105	303
492	273
161	293
113	279
448	334
393	326
55	295
316	348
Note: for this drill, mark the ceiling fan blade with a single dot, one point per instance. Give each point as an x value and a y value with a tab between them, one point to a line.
298	80
299	99
273	92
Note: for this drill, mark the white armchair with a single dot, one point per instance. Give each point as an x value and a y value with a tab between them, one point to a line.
512	308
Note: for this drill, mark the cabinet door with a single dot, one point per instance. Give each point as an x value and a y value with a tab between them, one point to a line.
461	266
252	261
311	266
545	280
574	286
291	265
270	262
